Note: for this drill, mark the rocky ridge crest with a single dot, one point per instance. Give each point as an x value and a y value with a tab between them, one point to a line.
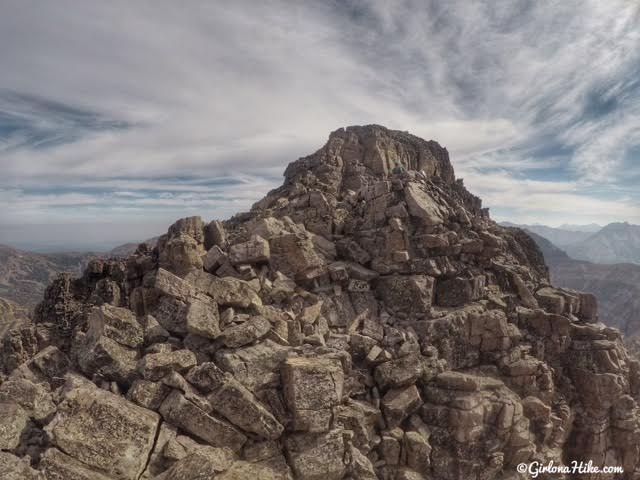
365	320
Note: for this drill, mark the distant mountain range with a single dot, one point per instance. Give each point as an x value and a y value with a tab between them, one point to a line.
617	286
558	236
614	243
25	275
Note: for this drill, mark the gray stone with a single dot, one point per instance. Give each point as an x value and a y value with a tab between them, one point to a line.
182	413
104	431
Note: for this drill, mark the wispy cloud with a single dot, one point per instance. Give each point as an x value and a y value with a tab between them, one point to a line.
110	109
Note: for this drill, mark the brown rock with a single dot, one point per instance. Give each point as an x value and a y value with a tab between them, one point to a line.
104	431
312	386
317	456
182	413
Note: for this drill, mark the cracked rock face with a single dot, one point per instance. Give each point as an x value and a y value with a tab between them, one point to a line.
365	320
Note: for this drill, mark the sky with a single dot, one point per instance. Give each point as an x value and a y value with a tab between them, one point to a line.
116	118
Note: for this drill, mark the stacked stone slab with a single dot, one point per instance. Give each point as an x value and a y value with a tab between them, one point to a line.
362	321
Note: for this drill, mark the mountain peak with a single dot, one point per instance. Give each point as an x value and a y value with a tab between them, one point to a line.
372	151
368	306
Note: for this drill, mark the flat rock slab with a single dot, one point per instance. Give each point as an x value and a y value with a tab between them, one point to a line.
57	465
182	413
104	431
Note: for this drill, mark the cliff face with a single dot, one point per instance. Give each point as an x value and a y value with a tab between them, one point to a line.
365	320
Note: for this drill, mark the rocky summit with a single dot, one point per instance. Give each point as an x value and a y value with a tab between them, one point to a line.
366	320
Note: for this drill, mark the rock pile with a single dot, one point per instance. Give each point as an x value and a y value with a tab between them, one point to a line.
365	320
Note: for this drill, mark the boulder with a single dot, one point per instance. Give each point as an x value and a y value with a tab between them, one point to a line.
317	456
406	293
16	468
398	404
166	283
255	250
227	291
204	463
202	317
181	254
246	332
421	205
214	234
182	413
57	465
295	256
104	431
154	366
104	356
454	292
214	259
239	406
13	420
312	386
34	398
255	366
148	394
118	324
192	226
401	372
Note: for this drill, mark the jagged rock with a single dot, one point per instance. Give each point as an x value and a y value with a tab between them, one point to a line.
255	366
238	405
148	394
399	404
399	373
154	366
192	226
153	331
456	292
550	300
104	356
182	413
312	386
181	254
255	250
57	465
245	333
16	468
118	324
406	294
18	345
295	256
47	364
214	235
317	456
227	291
367	319
421	205
202	317
13	420
34	398
214	259
166	283
104	431
270	469
418	451
203	463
